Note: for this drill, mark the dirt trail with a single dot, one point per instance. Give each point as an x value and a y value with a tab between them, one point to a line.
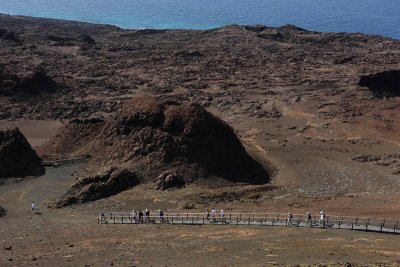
17	197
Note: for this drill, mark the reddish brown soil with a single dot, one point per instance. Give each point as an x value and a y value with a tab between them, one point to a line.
293	98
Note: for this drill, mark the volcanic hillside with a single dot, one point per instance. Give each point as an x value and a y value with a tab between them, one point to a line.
169	144
17	158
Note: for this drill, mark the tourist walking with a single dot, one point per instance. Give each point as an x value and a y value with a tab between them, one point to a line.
161	215
140	216
208	216
34	207
308	218
290	218
102	217
147	215
322	218
214	214
133	214
223	216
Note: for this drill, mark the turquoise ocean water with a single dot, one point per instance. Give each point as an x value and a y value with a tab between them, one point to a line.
366	16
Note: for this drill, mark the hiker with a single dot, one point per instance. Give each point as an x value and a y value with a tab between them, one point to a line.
222	215
34	207
140	216
133	214
208	216
308	218
322	218
214	214
161	215
147	215
102	217
290	218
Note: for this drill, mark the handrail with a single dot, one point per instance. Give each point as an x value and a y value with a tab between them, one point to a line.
265	215
330	221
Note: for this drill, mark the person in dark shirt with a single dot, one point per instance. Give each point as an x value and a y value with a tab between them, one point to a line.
140	216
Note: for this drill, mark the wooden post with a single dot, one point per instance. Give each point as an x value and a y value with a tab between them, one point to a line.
172	218
298	222
352	226
381	228
339	224
122	218
356	220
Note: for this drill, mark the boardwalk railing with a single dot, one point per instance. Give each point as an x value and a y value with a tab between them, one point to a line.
260	219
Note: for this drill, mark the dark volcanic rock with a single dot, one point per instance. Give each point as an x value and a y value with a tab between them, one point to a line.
168	180
17	158
387	160
85	38
101	185
147	132
31	84
169	144
383	84
7	35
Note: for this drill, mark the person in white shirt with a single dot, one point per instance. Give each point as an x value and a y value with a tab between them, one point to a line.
34	207
214	214
222	215
290	218
322	218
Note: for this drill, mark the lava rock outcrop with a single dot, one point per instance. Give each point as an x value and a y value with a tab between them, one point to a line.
167	144
29	84
17	158
101	185
383	84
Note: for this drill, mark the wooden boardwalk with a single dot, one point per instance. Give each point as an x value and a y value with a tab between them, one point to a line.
259	219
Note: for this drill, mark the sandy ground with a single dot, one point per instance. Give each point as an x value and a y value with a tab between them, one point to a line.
36	131
72	237
294	99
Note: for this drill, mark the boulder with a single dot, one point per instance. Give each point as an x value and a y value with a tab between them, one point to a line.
100	185
17	158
